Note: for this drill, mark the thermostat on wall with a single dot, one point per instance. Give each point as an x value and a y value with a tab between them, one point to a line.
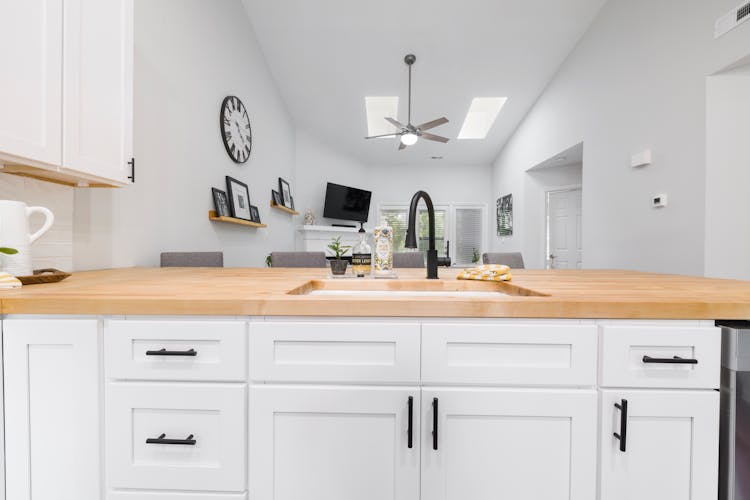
659	201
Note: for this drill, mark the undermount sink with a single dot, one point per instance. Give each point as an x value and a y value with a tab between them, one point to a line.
411	288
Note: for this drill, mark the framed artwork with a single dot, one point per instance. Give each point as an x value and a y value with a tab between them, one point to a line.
276	197
254	214
221	203
292	205
505	215
286	193
239	199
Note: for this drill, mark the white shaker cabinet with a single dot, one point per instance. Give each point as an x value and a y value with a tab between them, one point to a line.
52	409
334	443
67	92
524	444
669	448
98	87
31	41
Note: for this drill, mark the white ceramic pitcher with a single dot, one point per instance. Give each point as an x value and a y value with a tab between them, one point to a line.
14	233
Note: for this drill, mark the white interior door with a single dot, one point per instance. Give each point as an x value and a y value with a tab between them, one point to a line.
31	82
334	443
671	445
564	227
519	444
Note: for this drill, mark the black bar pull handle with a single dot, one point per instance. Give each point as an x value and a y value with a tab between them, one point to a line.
674	360
434	423
164	352
162	439
623	435
132	170
410	428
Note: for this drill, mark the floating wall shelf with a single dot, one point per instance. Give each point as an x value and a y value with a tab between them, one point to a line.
284	209
242	222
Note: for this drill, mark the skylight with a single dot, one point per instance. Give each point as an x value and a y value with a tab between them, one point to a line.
377	109
482	114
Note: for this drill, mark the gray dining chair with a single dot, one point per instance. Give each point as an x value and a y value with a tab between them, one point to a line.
408	259
192	259
298	259
512	259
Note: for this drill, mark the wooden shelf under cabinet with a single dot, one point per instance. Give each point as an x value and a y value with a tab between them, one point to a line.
212	216
284	209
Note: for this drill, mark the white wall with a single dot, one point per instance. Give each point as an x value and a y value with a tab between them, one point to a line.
55	248
728	175
636	80
189	55
317	164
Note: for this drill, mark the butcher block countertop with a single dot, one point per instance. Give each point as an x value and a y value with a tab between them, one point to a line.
285	292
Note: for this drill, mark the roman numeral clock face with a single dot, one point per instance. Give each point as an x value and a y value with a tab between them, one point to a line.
235	129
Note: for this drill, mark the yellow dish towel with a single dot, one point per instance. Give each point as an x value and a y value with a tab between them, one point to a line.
8	281
489	272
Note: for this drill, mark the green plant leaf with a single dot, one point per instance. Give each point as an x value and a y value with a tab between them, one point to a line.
8	251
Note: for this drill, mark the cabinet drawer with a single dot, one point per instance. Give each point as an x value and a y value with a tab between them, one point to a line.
161	350
509	354
334	352
214	414
635	356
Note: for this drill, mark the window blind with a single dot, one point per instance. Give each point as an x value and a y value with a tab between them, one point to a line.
469	230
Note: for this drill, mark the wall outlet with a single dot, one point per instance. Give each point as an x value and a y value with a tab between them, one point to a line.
641	159
659	201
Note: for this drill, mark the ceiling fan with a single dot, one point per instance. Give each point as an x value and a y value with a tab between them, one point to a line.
409	134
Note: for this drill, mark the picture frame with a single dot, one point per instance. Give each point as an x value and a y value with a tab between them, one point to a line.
254	214
239	198
505	215
285	191
221	202
292	200
276	198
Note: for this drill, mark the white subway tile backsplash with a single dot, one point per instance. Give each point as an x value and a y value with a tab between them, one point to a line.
55	248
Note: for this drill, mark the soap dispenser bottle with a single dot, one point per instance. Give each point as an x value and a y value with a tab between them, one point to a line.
362	256
383	253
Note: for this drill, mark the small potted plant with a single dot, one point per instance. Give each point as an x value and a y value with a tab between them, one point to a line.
475	256
338	265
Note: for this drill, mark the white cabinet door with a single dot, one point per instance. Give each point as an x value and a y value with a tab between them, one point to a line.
485	444
31	83
52	409
670	449
98	87
333	443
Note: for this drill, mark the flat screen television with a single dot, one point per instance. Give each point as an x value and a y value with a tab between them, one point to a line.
346	203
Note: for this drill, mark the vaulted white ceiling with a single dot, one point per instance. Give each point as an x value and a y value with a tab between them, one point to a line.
327	55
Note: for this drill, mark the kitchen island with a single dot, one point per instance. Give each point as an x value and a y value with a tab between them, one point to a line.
205	384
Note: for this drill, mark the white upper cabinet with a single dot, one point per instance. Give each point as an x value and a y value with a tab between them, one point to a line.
66	96
98	87
31	83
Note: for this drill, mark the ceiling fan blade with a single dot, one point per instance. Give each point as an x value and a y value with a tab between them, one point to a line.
382	135
395	123
401	146
433	124
433	137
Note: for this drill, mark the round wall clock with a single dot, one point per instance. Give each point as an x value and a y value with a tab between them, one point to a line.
235	129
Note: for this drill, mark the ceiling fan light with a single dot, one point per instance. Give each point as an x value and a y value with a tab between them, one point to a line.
409	139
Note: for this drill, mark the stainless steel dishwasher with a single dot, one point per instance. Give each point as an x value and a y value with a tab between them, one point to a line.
734	457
